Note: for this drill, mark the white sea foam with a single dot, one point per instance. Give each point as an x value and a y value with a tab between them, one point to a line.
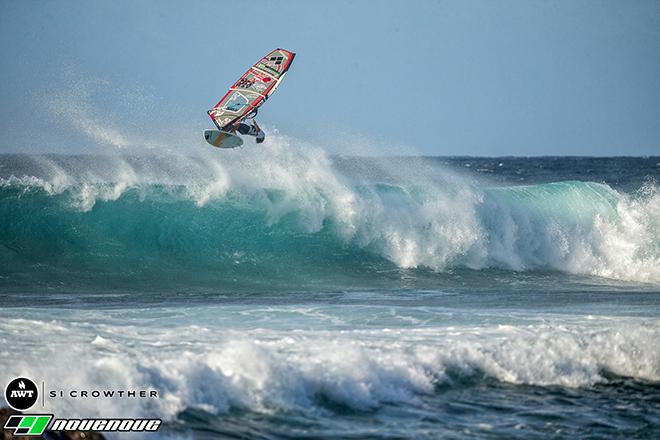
271	370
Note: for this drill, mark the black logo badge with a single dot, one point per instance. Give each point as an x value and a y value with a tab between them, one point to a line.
21	393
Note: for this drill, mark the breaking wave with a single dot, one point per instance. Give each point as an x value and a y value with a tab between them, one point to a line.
253	214
268	370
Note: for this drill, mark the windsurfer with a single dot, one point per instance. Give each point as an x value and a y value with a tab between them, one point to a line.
248	129
252	129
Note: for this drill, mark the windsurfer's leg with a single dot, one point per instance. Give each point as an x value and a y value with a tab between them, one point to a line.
244	129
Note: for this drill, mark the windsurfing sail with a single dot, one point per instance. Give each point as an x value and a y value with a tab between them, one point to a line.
252	89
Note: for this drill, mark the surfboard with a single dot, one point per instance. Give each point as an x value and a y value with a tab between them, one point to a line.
222	139
252	89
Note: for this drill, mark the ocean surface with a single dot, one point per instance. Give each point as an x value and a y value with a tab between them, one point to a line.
278	292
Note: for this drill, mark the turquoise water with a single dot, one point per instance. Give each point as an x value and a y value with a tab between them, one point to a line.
300	295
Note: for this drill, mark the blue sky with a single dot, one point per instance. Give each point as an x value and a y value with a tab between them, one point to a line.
427	77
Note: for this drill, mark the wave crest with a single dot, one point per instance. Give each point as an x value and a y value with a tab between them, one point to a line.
413	214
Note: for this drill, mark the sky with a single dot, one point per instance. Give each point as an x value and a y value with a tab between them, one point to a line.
465	77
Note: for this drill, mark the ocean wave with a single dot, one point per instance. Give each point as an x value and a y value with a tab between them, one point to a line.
268	370
287	203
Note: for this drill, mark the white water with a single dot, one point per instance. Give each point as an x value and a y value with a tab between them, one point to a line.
216	364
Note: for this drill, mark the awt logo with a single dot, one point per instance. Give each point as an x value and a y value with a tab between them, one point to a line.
21	393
